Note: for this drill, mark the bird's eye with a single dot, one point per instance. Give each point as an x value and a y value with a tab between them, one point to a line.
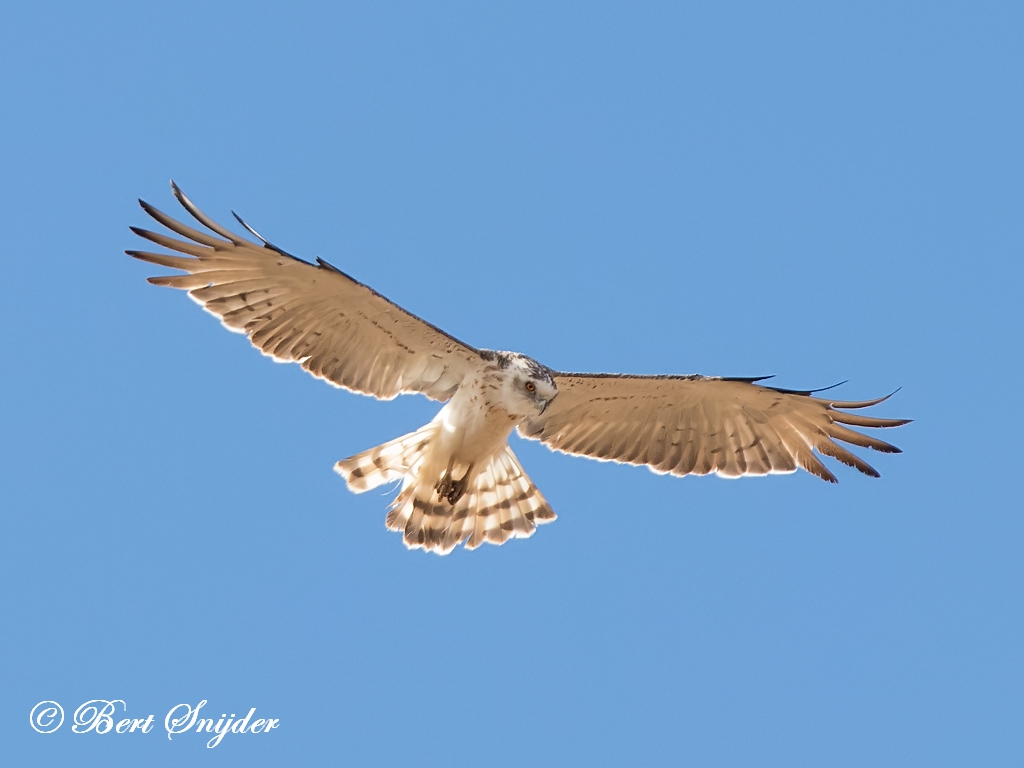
530	386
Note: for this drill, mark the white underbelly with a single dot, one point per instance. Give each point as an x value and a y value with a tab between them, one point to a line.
471	429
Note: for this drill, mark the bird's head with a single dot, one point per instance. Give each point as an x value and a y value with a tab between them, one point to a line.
528	385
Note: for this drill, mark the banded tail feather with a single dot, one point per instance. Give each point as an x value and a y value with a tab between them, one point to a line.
501	502
386	463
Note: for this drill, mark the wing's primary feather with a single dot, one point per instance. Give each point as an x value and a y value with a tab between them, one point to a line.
697	425
313	314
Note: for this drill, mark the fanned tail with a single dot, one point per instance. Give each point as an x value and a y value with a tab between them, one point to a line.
501	503
386	463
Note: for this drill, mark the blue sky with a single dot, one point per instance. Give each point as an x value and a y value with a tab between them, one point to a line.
821	192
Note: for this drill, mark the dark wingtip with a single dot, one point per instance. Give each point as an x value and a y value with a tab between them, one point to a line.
882	400
266	243
251	231
807	392
900	422
831	386
148	208
748	379
180	195
328	265
855	404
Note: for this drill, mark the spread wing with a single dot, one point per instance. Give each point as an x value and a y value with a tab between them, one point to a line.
696	425
313	314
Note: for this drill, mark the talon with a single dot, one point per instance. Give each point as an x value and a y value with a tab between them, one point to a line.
457	488
450	489
444	485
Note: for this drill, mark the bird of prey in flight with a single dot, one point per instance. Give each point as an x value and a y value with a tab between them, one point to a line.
460	481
